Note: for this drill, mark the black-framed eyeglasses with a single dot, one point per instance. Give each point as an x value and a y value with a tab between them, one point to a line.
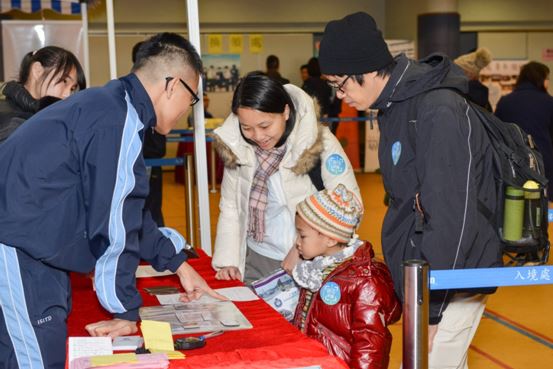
339	86
195	97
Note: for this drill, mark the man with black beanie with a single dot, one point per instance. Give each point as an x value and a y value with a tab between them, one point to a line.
435	159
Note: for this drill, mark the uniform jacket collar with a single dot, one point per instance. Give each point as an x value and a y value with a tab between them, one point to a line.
140	99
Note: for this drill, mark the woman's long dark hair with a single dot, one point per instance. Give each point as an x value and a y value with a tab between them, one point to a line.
54	58
534	73
260	92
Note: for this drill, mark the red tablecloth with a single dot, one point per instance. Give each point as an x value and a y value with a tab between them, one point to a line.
271	343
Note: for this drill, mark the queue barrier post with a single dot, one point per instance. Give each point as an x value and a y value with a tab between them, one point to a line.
418	281
415	314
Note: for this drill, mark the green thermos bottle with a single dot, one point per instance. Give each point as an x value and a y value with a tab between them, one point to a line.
532	210
513	213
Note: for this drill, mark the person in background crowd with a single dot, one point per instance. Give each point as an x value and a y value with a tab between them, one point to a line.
472	64
187	148
347	298
435	160
272	63
72	191
45	76
531	107
270	143
207	114
304	75
315	86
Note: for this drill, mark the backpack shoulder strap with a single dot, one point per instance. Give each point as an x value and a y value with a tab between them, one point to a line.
316	177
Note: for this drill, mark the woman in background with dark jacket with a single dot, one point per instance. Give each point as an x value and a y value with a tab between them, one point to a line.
45	76
531	108
316	87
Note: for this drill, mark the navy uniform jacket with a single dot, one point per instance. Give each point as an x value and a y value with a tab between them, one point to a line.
72	190
440	149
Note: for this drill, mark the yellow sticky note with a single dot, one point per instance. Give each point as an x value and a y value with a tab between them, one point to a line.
214	44
171	355
235	43
157	335
256	44
105	360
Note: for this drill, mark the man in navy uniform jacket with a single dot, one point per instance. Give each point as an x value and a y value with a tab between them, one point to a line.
72	189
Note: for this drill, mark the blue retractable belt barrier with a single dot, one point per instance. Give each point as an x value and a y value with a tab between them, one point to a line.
346	119
164	162
185	139
491	277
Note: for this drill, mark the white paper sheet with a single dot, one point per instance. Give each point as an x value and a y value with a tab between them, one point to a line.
89	346
146	271
238	294
171	299
232	293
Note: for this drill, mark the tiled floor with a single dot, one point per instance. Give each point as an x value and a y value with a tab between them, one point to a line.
517	328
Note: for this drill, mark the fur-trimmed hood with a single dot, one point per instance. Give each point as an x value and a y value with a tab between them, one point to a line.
304	145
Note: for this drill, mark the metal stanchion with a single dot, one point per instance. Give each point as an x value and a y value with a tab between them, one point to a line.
188	198
415	314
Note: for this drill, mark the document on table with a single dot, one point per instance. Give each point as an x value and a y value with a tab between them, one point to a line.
146	271
238	294
122	361
204	315
232	293
89	346
280	291
116	359
157	335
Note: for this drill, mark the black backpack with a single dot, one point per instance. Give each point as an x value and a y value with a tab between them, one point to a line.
516	160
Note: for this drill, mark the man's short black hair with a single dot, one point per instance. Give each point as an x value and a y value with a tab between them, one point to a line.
382	72
135	50
170	45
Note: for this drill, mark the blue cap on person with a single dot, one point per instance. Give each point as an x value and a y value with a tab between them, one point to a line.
335	213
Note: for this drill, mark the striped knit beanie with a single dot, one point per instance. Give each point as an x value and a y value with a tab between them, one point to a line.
335	213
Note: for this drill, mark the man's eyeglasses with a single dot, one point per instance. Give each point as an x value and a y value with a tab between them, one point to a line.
195	97
339	86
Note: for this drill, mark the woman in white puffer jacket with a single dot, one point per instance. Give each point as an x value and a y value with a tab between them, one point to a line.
269	143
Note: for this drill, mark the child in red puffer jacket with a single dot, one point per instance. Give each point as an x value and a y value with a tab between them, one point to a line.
347	298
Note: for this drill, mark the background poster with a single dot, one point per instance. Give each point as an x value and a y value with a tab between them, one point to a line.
215	44
222	72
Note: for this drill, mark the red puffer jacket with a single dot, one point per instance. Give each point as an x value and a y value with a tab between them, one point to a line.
355	328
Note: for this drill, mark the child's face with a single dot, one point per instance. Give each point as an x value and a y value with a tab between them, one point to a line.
311	243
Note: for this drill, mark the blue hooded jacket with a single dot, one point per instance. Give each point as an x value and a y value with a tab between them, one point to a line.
72	189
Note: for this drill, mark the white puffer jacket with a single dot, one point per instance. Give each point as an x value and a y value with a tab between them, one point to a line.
308	141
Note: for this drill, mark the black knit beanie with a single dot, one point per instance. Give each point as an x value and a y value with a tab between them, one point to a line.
353	45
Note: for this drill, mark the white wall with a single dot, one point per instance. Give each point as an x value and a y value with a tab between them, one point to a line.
286	25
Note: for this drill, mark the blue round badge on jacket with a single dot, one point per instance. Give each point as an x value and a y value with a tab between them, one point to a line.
335	164
330	293
396	152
